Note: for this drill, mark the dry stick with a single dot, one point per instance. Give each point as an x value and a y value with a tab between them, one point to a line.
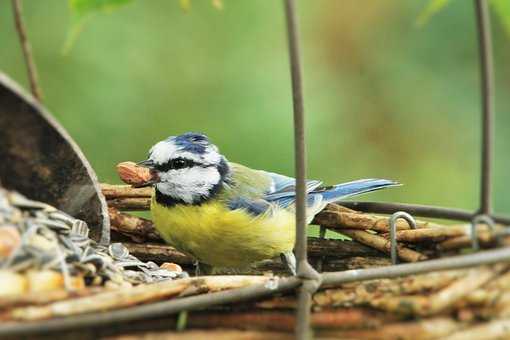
130	203
284	321
135	295
484	237
27	50
497	329
444	299
429	234
490	293
157	253
119	191
214	334
363	293
343	251
455	235
48	297
436	328
131	225
382	244
337	217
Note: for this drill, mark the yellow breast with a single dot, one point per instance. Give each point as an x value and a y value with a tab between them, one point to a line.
221	237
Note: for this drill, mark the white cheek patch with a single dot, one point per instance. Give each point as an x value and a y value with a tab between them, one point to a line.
188	184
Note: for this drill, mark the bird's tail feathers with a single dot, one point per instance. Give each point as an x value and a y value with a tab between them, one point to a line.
344	190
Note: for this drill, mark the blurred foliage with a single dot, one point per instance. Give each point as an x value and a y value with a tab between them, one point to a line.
500	7
383	97
82	10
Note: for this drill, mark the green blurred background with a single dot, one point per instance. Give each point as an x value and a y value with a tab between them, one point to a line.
384	98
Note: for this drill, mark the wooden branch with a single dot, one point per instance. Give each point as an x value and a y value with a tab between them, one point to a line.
490	294
131	296
433	304
285	321
497	329
459	242
436	328
36	298
361	294
27	50
158	253
130	203
111	191
130	225
349	219
343	251
211	334
382	244
429	234
339	249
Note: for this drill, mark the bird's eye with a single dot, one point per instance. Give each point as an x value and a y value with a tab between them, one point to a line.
179	163
174	164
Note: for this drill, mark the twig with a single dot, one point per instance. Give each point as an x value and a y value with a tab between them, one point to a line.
158	253
130	225
436	328
283	321
37	298
497	329
338	217
342	251
117	191
214	334
433	304
27	50
484	237
361	294
135	295
130	203
382	244
430	234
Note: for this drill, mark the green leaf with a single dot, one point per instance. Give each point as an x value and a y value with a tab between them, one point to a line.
218	4
502	9
185	4
81	11
432	8
82	8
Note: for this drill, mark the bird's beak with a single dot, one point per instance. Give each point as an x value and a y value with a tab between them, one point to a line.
148	163
154	177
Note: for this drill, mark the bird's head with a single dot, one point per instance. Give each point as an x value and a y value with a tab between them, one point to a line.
186	169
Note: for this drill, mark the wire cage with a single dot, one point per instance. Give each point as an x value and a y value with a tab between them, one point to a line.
308	280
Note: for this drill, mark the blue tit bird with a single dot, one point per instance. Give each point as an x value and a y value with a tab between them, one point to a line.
225	214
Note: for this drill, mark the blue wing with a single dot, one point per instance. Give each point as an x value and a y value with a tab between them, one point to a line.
284	186
333	193
254	207
282	193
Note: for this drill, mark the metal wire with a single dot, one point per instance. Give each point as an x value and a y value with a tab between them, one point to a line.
305	272
393	231
474	229
487	90
419	210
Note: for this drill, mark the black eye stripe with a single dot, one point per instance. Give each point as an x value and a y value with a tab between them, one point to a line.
177	163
